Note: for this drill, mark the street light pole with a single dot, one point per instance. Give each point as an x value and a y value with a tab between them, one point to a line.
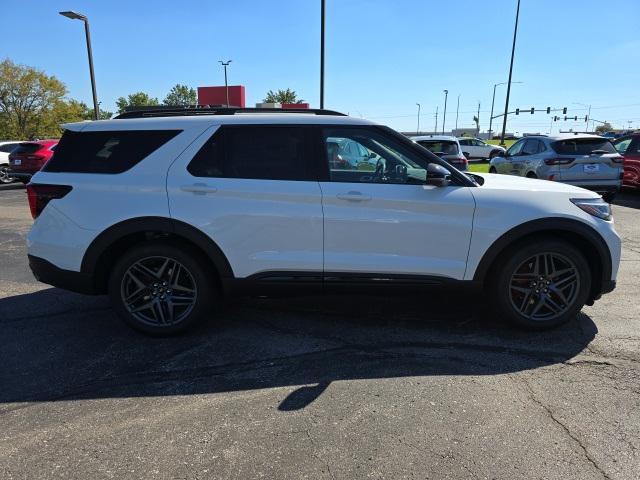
226	85
418	128
78	16
444	116
513	51
492	102
457	111
322	10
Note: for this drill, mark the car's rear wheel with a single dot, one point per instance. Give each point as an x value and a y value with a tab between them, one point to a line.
160	288
609	196
531	175
5	177
492	170
541	283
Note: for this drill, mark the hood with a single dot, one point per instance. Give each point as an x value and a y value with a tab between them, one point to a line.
495	181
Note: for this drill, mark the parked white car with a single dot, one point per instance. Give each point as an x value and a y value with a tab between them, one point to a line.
5	149
476	149
167	211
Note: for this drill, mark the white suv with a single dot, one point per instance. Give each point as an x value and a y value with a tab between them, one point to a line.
167	211
475	149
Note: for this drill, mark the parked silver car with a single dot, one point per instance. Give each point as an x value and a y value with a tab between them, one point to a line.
586	161
445	147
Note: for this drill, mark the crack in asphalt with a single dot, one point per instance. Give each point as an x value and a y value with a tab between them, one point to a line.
568	432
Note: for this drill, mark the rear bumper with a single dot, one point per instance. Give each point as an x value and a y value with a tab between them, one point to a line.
20	175
47	272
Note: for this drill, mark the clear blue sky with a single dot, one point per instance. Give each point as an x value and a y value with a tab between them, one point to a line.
382	56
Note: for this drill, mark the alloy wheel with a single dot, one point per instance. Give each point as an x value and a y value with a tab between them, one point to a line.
158	291
4	175
544	286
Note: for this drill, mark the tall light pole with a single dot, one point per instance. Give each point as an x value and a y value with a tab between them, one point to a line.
492	102
588	113
226	85
418	128
444	116
79	16
322	10
513	51
457	111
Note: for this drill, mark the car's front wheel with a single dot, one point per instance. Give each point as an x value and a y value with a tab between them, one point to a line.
492	170
160	288
541	283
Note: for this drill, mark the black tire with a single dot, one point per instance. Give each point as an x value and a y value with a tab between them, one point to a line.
5	177
511	276
492	170
531	175
174	308
609	196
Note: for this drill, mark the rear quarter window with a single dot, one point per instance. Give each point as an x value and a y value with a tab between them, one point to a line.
582	146
27	148
105	152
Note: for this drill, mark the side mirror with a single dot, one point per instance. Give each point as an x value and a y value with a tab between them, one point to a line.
437	175
372	155
466	155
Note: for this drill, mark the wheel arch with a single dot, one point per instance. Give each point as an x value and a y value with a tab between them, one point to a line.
103	251
585	238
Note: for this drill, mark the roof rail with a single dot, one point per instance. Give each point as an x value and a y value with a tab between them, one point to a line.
191	110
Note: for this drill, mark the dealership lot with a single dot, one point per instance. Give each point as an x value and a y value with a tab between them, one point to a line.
336	387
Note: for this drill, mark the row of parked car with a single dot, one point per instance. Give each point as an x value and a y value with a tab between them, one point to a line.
19	161
589	161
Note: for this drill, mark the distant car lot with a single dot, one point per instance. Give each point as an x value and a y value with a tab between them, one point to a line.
341	387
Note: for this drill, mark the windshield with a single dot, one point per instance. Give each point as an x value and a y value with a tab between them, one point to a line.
440	146
582	146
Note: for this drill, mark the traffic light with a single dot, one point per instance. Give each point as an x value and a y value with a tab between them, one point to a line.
555	118
564	111
533	109
517	111
548	110
586	118
565	118
575	119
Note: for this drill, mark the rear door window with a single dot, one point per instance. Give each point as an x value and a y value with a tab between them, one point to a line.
582	146
256	152
105	152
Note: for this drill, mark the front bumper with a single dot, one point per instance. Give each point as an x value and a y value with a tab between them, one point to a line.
47	272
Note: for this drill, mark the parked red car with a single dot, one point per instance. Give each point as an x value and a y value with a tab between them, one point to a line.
29	157
629	147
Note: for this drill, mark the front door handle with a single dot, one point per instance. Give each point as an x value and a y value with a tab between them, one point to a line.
353	196
199	188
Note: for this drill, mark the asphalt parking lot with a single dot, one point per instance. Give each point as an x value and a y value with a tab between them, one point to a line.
316	388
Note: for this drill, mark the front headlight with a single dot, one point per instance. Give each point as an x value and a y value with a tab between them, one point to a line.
594	206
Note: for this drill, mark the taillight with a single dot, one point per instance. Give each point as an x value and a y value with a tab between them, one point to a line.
617	159
40	194
551	178
558	161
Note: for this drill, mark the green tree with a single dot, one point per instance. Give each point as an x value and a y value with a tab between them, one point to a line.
181	95
605	127
138	99
476	120
282	96
29	99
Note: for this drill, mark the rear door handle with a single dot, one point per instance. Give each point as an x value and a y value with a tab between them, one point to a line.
199	188
353	196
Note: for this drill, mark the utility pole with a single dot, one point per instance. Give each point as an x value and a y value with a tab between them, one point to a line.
513	51
322	10
444	116
457	111
478	117
435	130
226	85
418	128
